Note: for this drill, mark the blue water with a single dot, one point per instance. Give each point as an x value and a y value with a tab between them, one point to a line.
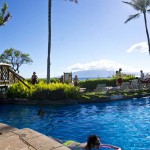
121	123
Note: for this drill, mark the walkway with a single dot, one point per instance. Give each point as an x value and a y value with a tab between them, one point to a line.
26	139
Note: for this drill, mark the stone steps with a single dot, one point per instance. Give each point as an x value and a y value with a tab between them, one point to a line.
26	139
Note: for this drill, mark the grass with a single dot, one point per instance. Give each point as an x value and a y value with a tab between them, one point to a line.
130	93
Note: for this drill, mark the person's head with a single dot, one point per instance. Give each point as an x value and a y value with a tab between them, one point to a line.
93	141
34	72
141	71
41	112
120	69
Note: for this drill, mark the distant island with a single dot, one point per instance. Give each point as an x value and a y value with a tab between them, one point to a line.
100	73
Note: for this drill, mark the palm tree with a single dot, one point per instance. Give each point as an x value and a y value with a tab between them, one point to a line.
49	37
4	15
142	7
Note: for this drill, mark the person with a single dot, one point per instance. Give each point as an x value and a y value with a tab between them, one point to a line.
93	141
34	78
62	79
116	78
142	75
75	80
119	80
41	112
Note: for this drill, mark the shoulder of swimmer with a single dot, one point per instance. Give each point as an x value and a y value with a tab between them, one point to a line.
110	146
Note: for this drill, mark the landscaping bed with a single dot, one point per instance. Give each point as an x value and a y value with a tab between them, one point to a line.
58	93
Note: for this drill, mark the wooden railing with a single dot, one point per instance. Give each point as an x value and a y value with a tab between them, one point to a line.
18	77
8	76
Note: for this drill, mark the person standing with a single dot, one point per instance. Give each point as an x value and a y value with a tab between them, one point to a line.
34	78
142	75
119	77
62	79
75	80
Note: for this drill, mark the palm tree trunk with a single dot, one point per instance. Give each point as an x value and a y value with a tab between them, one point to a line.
49	40
147	31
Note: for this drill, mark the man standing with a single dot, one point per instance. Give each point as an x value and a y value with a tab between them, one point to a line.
142	75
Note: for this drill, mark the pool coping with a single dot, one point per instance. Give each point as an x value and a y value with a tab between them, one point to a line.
26	139
68	101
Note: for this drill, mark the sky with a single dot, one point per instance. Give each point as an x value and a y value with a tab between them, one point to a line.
88	35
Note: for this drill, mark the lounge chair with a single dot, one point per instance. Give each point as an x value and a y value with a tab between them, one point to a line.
142	86
82	89
125	86
100	87
134	84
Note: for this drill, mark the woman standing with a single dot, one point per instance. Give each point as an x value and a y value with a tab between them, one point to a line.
75	80
119	80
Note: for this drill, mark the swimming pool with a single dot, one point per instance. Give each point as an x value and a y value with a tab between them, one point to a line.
121	123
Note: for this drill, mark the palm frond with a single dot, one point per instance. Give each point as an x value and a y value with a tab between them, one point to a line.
127	2
140	3
132	17
4	9
143	4
7	17
4	16
147	3
133	4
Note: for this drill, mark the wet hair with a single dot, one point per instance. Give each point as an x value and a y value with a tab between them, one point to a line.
41	112
91	141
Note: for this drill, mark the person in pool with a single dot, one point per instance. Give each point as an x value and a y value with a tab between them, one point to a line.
93	141
41	112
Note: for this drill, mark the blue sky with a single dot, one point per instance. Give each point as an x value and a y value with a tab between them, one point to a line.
88	35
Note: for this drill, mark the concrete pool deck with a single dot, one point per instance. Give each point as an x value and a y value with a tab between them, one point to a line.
26	139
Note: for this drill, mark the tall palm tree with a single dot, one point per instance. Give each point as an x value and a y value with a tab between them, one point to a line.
49	37
4	15
142	7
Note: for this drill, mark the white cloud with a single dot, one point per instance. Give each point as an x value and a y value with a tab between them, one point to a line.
139	47
102	64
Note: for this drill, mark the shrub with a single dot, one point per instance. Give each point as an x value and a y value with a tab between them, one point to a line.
53	80
53	91
91	84
18	90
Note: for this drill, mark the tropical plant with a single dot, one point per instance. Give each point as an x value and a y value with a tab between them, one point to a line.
49	37
4	15
15	57
42	91
142	7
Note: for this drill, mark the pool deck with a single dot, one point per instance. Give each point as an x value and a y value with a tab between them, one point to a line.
26	139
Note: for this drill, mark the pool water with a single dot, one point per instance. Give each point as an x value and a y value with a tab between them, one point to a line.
122	123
